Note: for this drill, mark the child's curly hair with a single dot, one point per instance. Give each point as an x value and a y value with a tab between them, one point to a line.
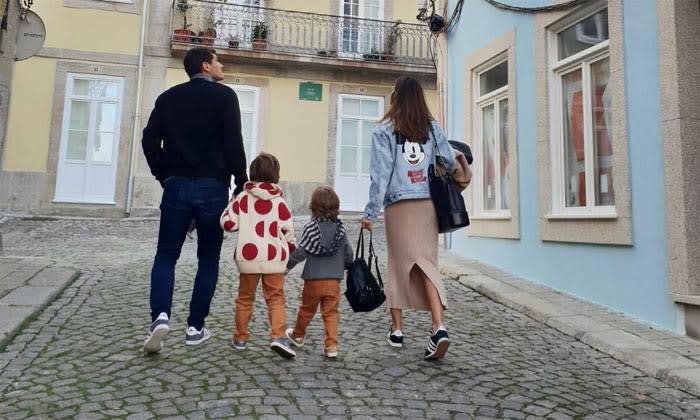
325	203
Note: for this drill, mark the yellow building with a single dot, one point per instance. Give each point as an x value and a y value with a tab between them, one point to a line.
313	77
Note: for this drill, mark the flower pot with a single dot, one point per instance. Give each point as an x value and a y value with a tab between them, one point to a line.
207	37
259	44
233	44
183	35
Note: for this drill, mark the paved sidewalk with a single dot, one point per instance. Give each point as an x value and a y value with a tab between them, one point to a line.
670	357
26	286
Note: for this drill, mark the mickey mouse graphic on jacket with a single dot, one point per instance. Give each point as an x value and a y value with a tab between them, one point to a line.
265	240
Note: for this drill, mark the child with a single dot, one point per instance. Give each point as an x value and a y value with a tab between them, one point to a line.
328	254
265	239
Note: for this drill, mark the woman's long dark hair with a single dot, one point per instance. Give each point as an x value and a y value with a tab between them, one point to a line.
408	110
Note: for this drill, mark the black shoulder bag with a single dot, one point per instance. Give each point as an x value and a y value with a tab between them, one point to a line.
364	292
448	202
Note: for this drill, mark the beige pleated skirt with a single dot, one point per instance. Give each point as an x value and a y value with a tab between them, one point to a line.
412	240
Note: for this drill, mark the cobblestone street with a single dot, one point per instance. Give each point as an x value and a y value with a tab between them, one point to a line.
82	356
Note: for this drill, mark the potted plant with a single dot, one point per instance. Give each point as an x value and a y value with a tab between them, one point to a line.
208	35
391	38
183	34
259	36
233	41
372	56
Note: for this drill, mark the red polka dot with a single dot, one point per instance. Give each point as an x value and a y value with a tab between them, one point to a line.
292	247
271	252
267	186
260	229
249	251
284	212
244	204
228	225
236	207
273	229
249	186
284	255
263	206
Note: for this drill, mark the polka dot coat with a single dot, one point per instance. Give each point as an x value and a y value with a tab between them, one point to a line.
265	228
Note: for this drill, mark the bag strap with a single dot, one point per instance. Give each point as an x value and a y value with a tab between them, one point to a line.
435	155
373	256
360	249
393	164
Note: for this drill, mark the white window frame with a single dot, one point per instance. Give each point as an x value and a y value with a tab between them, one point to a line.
557	69
254	146
362	33
67	109
342	115
479	103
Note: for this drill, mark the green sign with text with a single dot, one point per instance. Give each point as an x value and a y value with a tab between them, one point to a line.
310	91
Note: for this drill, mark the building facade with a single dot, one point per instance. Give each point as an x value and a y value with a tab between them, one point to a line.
584	120
313	78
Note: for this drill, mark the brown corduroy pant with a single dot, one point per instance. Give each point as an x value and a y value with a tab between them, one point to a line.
273	292
327	294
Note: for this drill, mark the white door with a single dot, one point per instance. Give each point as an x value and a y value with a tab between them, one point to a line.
357	118
248	103
358	36
87	162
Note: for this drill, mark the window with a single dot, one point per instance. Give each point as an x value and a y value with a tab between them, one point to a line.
492	186
582	148
357	34
248	102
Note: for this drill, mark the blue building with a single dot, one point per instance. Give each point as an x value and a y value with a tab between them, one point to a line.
584	119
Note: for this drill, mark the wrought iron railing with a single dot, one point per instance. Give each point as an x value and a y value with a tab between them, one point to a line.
224	25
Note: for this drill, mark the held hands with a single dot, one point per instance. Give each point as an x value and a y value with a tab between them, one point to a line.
366	224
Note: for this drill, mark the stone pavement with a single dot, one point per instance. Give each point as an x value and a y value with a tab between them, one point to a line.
81	356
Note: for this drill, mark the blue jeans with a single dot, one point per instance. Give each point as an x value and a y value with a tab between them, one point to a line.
186	199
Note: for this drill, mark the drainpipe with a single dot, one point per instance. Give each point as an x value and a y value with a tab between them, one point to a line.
137	114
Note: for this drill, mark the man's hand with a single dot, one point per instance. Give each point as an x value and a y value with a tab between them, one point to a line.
367	224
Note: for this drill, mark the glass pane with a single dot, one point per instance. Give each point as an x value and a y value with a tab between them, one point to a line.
246	99
349	135
489	146
247	125
76	144
505	175
106	117
351	106
574	155
248	146
370	109
102	147
365	160
348	159
367	129
584	34
81	87
493	79
602	133
79	115
103	89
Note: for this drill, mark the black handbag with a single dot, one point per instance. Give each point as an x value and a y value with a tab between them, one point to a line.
448	202
364	292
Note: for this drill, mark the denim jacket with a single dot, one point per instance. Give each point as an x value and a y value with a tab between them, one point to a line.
400	171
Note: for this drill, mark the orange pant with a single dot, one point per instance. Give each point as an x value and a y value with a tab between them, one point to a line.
327	293
273	291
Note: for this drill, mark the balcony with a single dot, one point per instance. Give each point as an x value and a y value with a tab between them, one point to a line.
253	34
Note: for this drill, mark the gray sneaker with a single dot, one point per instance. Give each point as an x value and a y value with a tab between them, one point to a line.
156	333
194	336
280	346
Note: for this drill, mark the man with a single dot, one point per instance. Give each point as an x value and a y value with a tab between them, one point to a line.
193	145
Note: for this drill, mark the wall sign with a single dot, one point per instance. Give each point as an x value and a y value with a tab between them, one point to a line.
310	91
31	33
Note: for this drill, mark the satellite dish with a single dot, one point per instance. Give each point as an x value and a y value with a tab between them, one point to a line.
31	33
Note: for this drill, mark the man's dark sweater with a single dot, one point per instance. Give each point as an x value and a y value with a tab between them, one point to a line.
199	123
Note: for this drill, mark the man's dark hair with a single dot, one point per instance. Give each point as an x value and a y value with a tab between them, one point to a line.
195	57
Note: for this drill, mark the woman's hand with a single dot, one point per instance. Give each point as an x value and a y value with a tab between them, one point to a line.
366	224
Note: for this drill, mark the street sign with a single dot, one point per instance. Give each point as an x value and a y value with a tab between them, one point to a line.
310	91
31	33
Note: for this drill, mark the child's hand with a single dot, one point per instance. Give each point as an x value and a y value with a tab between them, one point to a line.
366	224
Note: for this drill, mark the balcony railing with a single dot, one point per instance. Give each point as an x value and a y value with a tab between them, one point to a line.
224	25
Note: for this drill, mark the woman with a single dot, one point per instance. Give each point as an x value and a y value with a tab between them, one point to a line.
403	147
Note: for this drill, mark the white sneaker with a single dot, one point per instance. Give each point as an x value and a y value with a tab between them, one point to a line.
194	336
156	333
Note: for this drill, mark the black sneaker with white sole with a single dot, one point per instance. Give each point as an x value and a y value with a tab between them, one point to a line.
438	344
395	338
194	336
281	347
156	333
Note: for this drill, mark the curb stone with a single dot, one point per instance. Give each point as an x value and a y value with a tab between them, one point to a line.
657	353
